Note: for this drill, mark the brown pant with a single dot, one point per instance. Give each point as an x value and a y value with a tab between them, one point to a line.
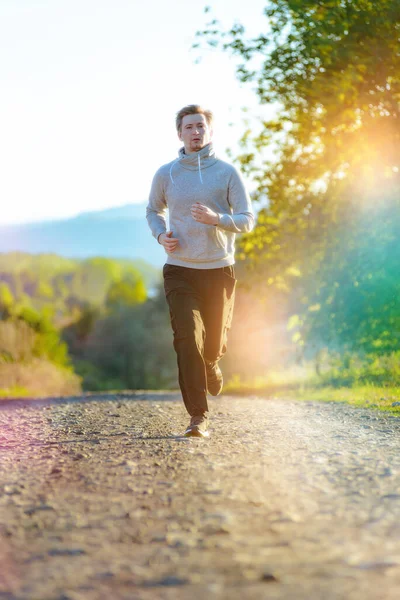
201	306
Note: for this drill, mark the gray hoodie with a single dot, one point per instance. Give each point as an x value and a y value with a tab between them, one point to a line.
200	177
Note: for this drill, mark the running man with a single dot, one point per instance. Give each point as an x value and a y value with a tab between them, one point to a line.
208	205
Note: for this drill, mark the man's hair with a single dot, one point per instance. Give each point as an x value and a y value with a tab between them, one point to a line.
192	109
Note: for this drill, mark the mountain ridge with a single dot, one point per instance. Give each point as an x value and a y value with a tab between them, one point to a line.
118	232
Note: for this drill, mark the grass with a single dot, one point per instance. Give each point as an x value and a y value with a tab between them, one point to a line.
367	396
300	383
304	385
14	392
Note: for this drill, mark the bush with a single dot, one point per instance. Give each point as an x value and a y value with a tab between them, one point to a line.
48	343
38	377
33	359
17	341
353	370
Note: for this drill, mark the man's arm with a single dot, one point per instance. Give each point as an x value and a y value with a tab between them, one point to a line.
242	218
157	207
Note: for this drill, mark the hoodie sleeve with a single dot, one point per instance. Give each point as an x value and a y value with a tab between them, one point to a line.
241	220
157	207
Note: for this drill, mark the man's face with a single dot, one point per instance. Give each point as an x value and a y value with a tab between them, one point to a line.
195	133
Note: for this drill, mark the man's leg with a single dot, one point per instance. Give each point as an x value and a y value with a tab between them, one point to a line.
189	333
217	311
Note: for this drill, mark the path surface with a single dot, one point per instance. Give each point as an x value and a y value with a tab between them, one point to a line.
101	499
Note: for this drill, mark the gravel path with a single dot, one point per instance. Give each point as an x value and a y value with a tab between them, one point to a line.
100	498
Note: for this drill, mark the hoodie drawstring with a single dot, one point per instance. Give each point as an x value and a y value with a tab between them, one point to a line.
198	159
177	160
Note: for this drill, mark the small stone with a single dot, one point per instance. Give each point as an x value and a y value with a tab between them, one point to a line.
105	575
268	577
171	580
395	403
78	457
11	489
387	472
211	529
66	552
158	538
378	565
33	509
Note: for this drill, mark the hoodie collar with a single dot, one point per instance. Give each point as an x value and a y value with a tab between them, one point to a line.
206	154
195	161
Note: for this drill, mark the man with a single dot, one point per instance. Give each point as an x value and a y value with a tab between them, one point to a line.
208	205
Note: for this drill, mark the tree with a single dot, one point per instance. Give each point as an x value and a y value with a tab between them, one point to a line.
6	300
48	343
130	347
128	291
333	71
93	277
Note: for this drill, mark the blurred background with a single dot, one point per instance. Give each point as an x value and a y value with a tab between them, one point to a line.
306	99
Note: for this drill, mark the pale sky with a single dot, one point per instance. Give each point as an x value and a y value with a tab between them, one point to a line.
88	95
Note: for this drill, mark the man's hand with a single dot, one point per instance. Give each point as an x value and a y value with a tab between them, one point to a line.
168	242
203	214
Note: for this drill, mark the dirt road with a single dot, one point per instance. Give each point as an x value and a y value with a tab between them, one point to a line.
100	498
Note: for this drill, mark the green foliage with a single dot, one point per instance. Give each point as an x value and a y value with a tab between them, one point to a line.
54	309
6	301
17	341
351	370
37	377
16	391
327	167
93	278
47	343
85	324
130	347
6	296
96	379
128	291
44	290
33	359
40	264
357	287
67	286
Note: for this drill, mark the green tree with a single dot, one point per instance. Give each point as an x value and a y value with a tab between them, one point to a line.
93	277
129	291
130	347
44	290
332	70
48	343
6	300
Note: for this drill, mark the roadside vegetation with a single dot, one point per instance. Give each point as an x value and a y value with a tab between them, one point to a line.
317	310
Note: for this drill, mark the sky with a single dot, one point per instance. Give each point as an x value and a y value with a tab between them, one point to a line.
89	90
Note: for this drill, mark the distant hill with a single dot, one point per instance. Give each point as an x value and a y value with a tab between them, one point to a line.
63	287
120	232
49	267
